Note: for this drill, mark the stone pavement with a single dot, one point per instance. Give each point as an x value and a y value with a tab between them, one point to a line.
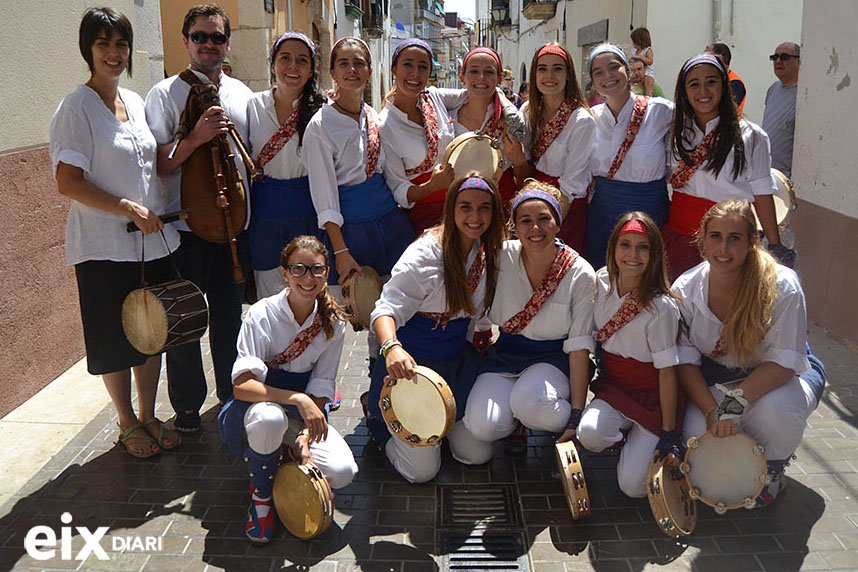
193	501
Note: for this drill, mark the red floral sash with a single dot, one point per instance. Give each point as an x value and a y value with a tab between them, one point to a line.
721	345
373	145
298	345
683	171
430	130
552	129
630	308
474	274
638	112
562	263
278	140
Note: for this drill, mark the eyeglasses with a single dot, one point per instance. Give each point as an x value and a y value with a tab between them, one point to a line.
782	57
217	38
298	270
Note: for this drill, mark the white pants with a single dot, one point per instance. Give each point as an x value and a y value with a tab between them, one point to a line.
268	282
776	420
415	464
269	425
601	426
538	398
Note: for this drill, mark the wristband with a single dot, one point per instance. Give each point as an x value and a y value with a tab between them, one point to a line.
574	419
389	345
340	251
733	404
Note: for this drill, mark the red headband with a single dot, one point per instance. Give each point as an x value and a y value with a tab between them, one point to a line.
360	40
634	226
482	50
553	49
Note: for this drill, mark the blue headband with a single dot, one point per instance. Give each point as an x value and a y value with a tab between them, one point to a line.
701	59
606	49
475	183
294	36
529	194
411	43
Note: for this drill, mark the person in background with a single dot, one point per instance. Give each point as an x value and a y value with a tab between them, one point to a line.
642	43
637	69
509	83
779	113
737	85
523	93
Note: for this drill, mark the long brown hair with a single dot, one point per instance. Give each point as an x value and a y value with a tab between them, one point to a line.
535	104
456	289
751	315
654	282
329	308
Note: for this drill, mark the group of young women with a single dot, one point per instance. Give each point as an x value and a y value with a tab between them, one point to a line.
338	180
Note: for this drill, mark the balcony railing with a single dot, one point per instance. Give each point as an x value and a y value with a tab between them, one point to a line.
373	18
538	9
353	9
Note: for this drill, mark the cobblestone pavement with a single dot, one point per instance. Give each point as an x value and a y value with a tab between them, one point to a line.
194	499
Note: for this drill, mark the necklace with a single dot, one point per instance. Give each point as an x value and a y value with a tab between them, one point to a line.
355	114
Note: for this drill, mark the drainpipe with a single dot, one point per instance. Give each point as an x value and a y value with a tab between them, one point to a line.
289	14
716	21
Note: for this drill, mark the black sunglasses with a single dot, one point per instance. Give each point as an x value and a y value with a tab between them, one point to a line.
782	57
298	270
217	38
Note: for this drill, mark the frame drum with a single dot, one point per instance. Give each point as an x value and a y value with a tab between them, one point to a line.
572	477
161	317
474	151
360	293
725	473
674	510
303	499
418	411
784	199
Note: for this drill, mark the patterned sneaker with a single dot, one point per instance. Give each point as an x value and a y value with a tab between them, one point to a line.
770	493
261	520
338	400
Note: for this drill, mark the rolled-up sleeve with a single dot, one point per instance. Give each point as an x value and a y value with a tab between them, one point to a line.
580	336
786	341
71	138
323	379
252	343
661	333
393	169
760	164
403	294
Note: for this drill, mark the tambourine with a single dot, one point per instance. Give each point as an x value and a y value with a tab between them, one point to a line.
784	199
418	411
572	477
161	317
360	293
669	496
474	151
303	499
725	472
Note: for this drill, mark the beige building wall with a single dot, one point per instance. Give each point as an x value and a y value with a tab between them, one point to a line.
824	165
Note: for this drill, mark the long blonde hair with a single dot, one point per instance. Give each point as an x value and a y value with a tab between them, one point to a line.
751	314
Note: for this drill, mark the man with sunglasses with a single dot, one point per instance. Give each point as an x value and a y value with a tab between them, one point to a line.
206	37
779	113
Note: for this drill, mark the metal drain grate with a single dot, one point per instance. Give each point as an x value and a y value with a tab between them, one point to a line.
478	506
483	550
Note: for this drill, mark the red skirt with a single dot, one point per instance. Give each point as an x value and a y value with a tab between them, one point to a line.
428	211
573	231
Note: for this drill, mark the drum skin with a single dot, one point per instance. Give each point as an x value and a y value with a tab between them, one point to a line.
475	152
360	293
161	317
674	510
572	477
303	500
784	199
418	411
727	472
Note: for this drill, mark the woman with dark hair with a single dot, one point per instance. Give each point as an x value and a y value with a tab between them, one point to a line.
441	284
715	156
104	156
281	207
629	162
745	362
561	137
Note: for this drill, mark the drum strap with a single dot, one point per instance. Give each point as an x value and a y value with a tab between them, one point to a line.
277	141
721	345
430	130
684	171
299	344
638	113
143	282
564	260
474	275
630	308
373	145
552	129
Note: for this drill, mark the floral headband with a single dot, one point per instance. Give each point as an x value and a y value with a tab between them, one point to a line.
293	36
475	183
528	194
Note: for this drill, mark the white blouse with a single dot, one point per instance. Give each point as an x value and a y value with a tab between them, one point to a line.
405	141
461	129
417	283
784	343
568	156
269	327
567	314
649	337
646	159
262	123
756	179
335	154
118	158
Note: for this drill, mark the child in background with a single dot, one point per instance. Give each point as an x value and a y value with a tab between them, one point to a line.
642	42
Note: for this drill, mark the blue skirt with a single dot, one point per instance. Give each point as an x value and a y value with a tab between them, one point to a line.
231	417
513	353
611	201
446	351
281	209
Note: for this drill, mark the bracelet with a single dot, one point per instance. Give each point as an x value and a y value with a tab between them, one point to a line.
340	251
302	432
574	419
389	345
710	412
